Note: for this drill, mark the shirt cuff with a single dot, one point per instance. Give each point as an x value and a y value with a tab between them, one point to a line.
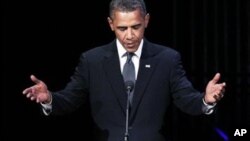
208	108
47	107
46	112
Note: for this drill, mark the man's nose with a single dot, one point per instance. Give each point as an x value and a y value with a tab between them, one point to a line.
130	34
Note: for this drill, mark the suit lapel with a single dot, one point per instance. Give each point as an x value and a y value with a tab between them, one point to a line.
147	66
112	69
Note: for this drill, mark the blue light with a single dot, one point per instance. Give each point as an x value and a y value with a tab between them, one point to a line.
222	134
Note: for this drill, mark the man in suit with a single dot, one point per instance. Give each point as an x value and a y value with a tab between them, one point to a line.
159	80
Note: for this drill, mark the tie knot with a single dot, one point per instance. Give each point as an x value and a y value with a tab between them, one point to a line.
129	56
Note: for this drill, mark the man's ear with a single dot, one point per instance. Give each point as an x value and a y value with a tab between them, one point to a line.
110	21
147	17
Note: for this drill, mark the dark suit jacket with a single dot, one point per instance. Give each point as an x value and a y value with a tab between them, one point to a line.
161	80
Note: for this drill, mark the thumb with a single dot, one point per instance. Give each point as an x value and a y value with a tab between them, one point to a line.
216	78
34	79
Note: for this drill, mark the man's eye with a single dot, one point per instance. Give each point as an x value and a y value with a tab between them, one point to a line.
122	28
136	27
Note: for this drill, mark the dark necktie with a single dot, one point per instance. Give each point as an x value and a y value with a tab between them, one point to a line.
129	73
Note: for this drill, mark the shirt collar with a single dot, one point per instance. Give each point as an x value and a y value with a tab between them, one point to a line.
122	50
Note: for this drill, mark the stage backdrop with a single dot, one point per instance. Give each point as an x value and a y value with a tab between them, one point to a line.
46	38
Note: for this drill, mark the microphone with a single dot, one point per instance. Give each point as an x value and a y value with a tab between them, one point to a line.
129	85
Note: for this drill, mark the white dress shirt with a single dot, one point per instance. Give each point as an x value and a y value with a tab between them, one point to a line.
122	57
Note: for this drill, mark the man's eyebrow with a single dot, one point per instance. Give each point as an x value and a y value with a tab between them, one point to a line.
128	26
137	25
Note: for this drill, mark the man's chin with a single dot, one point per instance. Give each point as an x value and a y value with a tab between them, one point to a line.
131	49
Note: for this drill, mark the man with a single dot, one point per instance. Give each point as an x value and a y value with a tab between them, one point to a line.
157	79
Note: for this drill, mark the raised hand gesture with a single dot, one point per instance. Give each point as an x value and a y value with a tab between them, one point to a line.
38	92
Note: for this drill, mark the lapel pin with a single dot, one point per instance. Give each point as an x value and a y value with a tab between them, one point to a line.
147	66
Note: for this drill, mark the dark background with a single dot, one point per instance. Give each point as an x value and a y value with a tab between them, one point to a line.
46	38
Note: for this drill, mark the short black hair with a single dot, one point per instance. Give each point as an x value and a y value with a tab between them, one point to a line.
127	6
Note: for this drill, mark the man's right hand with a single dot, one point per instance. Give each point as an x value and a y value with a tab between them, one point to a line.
38	92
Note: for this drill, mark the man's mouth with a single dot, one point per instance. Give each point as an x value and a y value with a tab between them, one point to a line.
130	45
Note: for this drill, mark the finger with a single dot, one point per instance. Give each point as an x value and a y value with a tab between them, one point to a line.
222	88
218	97
34	79
221	95
27	90
37	100
28	95
33	89
216	78
32	98
224	84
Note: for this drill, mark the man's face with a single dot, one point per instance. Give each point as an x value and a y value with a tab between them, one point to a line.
129	28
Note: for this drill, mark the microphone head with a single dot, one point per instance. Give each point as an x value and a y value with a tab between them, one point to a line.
129	85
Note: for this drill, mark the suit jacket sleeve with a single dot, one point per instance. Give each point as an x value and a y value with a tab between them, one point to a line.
184	95
76	91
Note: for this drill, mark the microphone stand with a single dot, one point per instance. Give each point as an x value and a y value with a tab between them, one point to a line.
127	114
129	87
